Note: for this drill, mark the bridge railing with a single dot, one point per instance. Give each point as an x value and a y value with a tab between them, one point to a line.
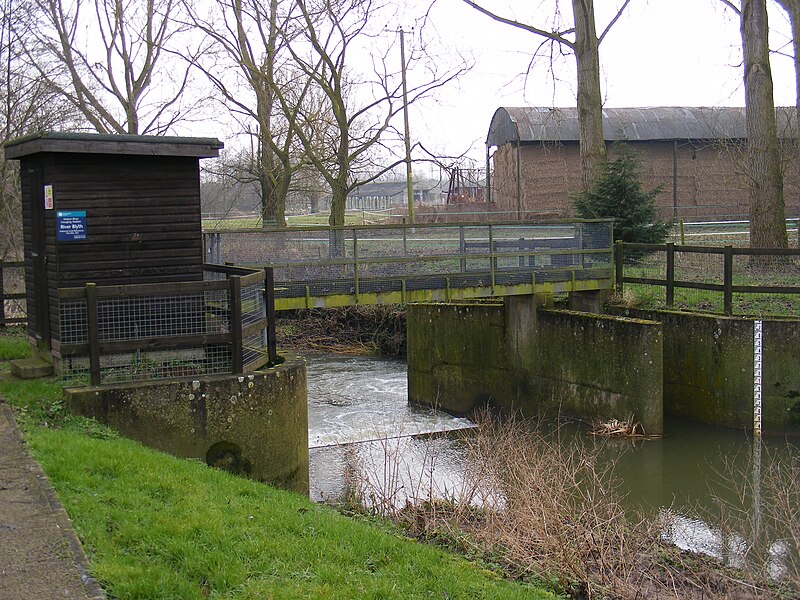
374	260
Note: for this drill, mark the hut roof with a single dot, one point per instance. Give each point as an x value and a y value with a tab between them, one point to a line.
95	143
542	124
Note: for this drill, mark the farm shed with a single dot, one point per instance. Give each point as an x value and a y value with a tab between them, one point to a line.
121	212
696	156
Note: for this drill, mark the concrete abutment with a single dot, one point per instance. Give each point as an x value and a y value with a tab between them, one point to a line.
255	425
524	358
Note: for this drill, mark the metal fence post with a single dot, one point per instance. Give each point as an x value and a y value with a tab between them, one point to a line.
355	263
235	299
93	333
670	274
728	280
618	249
2	299
492	259
269	304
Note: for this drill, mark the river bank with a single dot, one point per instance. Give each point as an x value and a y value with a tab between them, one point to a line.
155	526
359	330
648	520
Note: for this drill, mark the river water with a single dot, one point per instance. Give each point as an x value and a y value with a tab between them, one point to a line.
363	435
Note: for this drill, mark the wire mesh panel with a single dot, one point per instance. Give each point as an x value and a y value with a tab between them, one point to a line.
376	259
151	335
74	322
13	306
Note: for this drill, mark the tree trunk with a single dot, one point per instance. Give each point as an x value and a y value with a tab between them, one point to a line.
273	187
590	99
765	181
792	7
338	203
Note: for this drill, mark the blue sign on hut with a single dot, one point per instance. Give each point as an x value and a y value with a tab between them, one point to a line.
114	257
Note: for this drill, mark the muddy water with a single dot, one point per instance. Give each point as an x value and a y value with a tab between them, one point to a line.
360	422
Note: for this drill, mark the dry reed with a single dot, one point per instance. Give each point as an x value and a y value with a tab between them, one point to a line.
550	510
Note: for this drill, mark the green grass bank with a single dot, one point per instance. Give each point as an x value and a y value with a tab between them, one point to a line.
154	526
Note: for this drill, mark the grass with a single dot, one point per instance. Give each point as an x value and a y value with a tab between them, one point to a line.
708	269
351	218
155	526
13	344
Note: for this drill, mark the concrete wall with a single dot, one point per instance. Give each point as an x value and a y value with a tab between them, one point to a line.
708	369
517	359
254	425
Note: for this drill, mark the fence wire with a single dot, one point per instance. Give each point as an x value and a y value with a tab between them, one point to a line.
153	317
352	260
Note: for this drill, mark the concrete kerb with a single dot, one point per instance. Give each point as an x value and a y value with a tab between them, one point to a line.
37	481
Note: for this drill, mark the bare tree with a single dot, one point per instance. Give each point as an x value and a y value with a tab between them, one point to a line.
580	38
247	65
357	114
110	60
27	104
764	176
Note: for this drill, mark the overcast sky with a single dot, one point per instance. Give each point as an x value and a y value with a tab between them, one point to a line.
661	53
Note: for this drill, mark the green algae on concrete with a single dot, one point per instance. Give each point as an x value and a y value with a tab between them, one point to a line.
455	350
518	359
254	425
708	369
600	367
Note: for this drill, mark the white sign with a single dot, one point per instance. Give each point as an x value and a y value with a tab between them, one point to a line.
48	197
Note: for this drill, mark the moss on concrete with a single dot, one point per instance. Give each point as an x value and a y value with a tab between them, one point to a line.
520	360
708	369
600	366
254	425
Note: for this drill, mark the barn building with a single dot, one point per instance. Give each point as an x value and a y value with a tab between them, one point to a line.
696	156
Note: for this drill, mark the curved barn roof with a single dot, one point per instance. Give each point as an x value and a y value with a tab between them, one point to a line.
542	124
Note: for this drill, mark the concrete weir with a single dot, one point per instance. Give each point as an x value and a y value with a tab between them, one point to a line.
517	357
254	425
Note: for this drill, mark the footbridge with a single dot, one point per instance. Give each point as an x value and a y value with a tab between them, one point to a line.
317	267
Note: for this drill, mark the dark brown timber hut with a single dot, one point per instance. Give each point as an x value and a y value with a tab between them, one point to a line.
106	209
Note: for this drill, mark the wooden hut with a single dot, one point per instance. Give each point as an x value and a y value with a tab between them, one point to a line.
106	209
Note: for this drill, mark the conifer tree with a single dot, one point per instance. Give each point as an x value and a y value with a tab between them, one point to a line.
617	194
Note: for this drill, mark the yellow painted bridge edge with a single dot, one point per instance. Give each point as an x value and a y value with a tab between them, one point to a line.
440	294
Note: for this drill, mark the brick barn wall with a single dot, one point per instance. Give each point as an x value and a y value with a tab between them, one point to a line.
710	181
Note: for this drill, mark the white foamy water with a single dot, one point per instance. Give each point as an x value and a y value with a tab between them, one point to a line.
358	399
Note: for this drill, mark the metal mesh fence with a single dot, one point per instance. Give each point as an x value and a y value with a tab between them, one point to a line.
352	260
173	331
13	306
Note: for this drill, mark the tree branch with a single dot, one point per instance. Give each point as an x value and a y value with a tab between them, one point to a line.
553	35
614	20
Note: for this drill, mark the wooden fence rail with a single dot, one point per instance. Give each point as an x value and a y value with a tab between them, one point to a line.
236	278
8	295
726	287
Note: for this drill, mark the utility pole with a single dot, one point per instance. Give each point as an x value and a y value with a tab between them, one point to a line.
409	180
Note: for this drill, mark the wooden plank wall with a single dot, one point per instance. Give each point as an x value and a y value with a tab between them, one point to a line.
142	219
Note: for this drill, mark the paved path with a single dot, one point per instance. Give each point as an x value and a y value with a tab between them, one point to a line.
40	556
